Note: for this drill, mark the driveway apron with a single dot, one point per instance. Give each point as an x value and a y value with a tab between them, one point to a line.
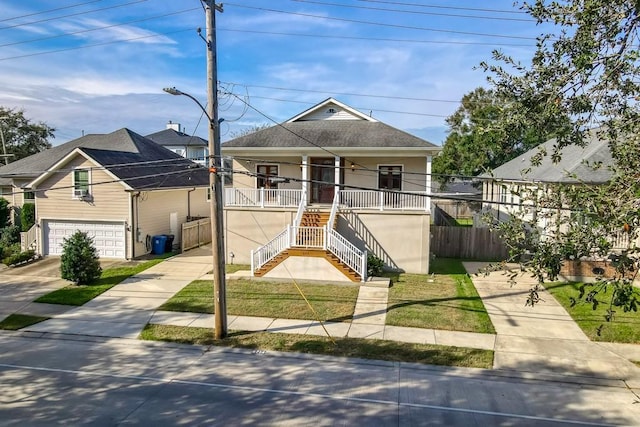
125	309
543	338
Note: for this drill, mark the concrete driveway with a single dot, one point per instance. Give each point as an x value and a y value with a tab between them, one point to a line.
19	286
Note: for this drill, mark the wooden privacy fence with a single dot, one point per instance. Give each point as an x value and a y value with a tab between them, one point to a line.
196	233
467	243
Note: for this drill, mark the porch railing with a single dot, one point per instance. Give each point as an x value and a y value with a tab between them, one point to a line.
261	197
29	239
347	252
352	199
385	200
267	252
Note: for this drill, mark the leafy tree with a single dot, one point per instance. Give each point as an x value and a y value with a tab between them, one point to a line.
22	137
249	130
4	212
584	75
28	216
80	261
474	145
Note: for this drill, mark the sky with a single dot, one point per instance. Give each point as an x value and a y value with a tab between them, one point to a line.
97	66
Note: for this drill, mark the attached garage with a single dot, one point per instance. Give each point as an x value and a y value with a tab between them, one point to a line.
108	237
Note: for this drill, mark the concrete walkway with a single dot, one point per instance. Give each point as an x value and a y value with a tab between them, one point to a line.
544	338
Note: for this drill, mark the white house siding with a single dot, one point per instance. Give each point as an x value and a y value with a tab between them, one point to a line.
401	240
247	230
365	172
245	171
154	209
324	114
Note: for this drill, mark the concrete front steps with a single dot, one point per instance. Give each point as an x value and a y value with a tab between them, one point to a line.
330	258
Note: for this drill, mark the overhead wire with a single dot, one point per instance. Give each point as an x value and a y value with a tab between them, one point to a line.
444	7
48	11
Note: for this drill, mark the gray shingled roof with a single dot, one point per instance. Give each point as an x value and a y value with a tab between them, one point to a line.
329	134
575	160
170	137
128	155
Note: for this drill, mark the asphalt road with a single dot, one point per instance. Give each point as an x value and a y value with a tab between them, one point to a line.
48	380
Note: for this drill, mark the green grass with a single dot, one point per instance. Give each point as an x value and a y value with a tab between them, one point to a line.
343	347
79	295
232	268
625	327
18	321
447	300
269	299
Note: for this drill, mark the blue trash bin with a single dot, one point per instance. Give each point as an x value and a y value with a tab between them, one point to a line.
158	244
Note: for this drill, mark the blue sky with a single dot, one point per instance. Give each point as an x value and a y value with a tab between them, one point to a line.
98	66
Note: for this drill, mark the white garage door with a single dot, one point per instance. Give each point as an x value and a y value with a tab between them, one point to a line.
108	237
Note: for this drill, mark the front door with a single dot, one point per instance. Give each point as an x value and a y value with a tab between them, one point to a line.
323	179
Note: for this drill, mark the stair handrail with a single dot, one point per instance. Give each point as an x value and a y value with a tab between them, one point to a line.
301	208
334	209
271	249
29	239
347	252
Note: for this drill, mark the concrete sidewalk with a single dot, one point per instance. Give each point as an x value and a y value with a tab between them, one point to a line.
544	338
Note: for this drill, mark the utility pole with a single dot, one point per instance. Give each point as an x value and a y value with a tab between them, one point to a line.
4	146
215	169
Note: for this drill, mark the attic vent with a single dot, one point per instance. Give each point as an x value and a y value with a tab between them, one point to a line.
331	111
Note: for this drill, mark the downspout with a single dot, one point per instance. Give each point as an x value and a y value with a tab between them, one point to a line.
133	214
189	202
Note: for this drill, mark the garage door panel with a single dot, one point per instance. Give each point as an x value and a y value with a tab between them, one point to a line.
108	237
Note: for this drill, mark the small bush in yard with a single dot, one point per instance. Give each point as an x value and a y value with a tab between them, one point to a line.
80	261
18	257
4	212
375	265
9	235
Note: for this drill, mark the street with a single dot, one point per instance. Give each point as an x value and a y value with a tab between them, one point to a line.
47	380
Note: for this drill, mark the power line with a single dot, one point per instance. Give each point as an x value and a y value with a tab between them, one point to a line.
73	14
73	33
48	11
406	27
444	7
499	18
326	36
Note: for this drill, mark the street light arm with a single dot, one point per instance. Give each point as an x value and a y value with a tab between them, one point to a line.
174	91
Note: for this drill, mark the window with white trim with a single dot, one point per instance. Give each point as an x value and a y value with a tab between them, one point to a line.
390	177
266	175
80	183
28	196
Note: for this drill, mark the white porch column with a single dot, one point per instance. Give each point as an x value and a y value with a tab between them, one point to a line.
428	183
336	169
304	170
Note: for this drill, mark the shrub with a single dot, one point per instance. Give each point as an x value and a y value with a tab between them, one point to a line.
19	257
9	251
4	212
375	266
9	235
28	216
80	261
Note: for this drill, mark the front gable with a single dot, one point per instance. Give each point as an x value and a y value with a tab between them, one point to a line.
330	109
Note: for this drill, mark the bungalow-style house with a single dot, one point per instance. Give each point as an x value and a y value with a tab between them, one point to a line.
504	187
121	188
312	196
190	146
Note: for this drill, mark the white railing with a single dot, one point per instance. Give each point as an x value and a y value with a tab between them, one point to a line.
347	253
266	253
301	209
308	237
29	239
262	197
334	210
385	200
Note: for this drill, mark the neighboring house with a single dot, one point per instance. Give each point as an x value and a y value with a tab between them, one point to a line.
121	188
455	199
317	192
503	189
190	146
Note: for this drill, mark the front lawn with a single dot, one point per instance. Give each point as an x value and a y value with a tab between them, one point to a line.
269	299
79	295
625	327
445	300
13	322
343	347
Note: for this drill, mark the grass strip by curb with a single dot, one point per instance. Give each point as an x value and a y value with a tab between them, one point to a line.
79	295
344	347
13	322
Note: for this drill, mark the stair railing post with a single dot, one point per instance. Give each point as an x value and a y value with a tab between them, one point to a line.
253	270
364	265
381	200
325	231
262	197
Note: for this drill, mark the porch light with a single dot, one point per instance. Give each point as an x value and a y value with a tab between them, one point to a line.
353	166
